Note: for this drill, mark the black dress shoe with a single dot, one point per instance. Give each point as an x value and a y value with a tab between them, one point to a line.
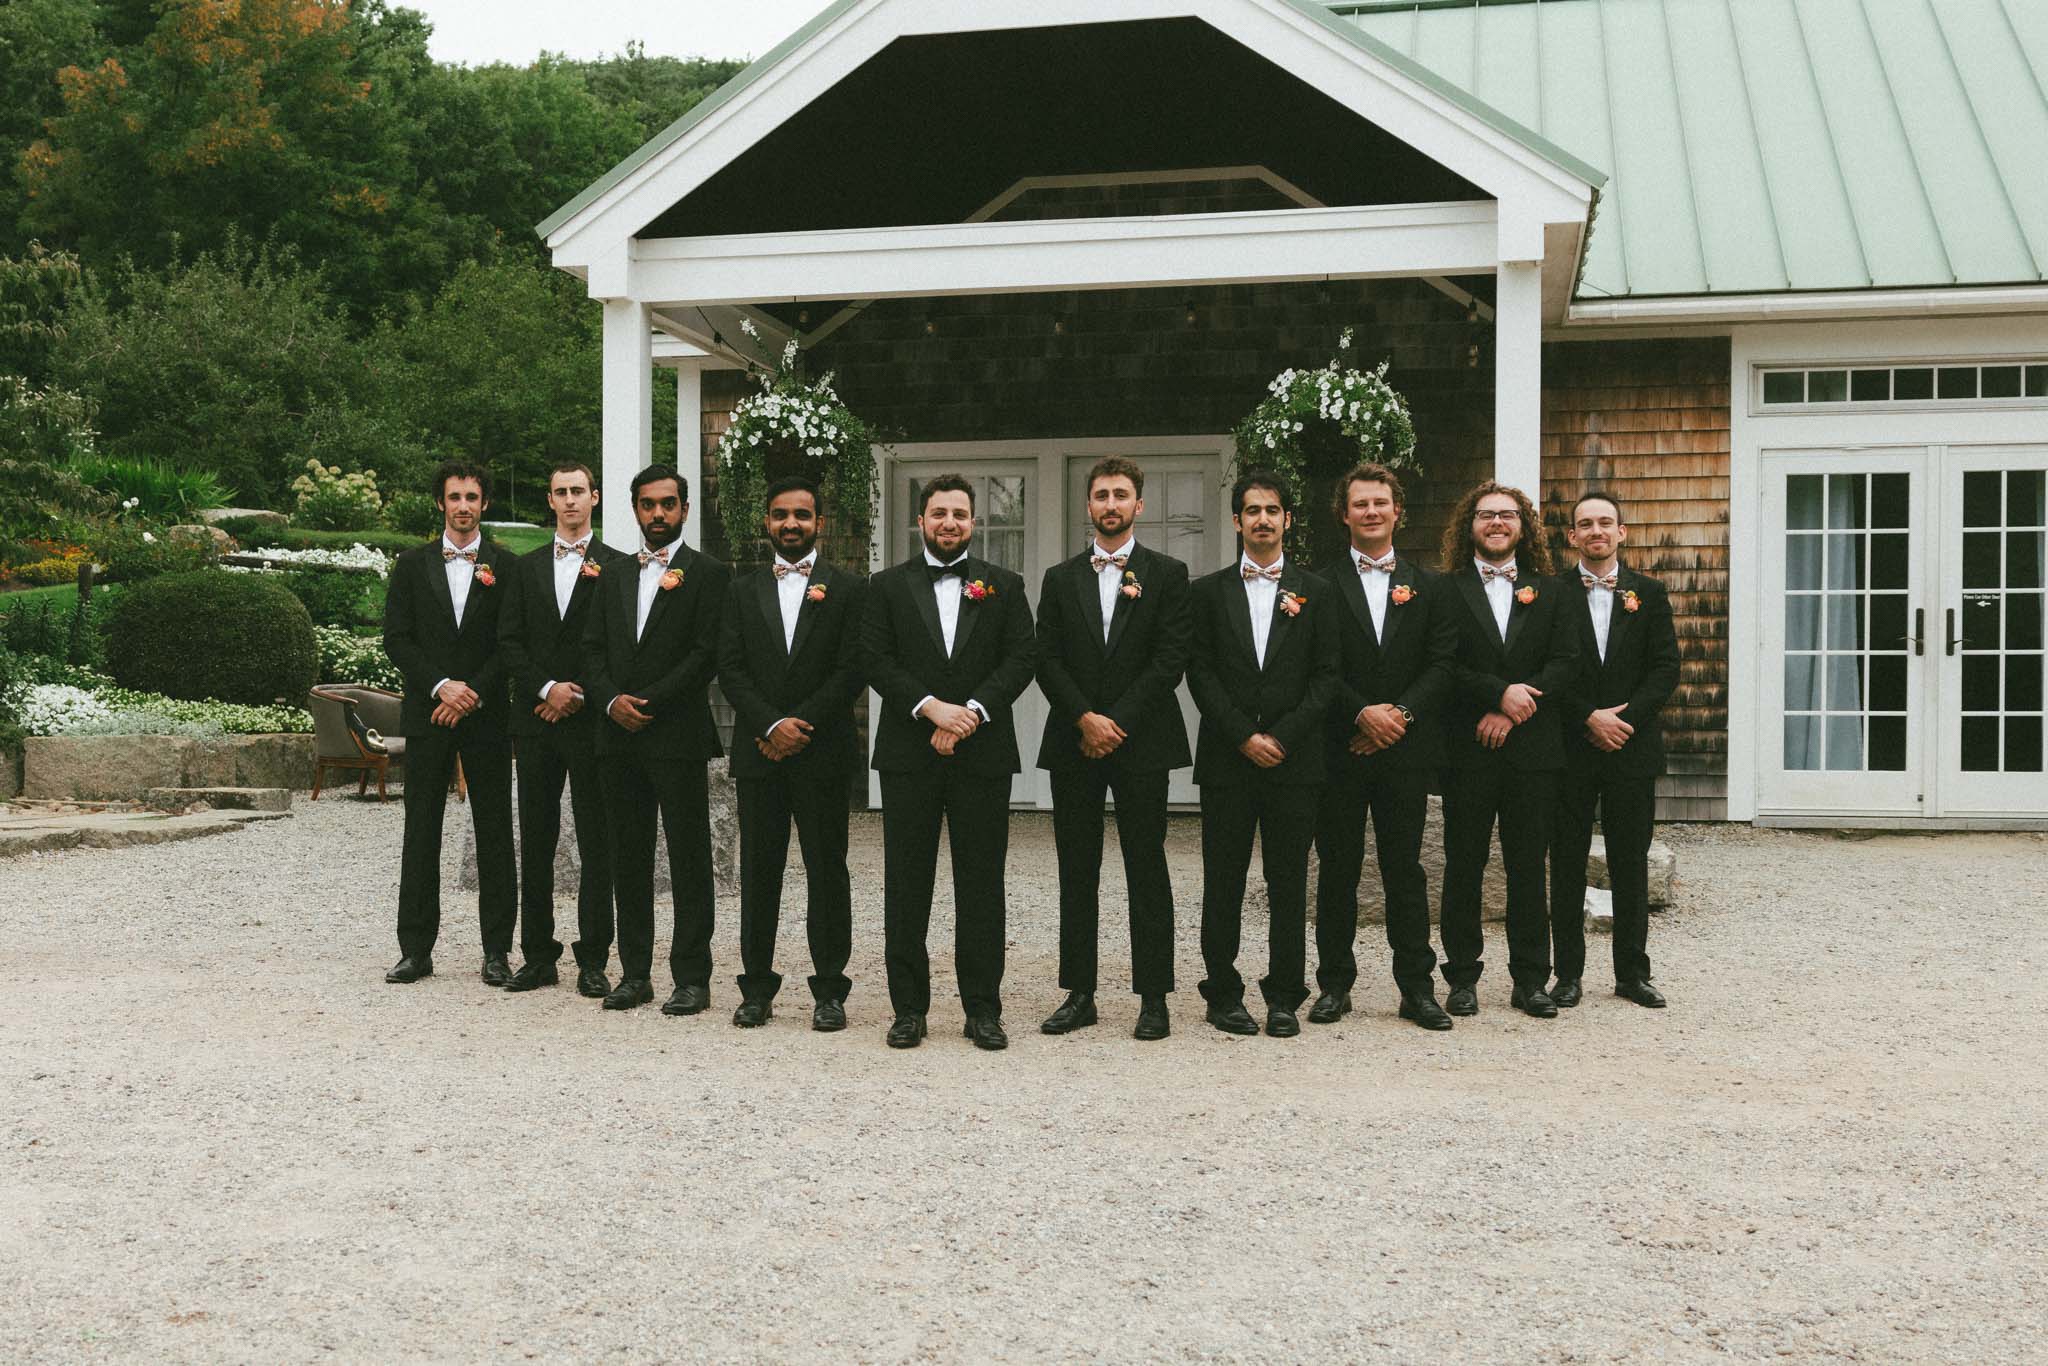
1330	1007
987	1032
593	983
1567	993
1462	1001
630	992
907	1032
1153	1021
1282	1024
534	975
410	969
1232	1019
1642	993
686	1001
497	971
1421	1007
752	1014
828	1017
1076	1012
1534	1001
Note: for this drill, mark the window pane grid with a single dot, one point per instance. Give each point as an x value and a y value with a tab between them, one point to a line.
2001	381
1845	703
2003	663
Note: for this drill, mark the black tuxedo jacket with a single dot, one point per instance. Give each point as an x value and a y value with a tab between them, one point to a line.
1410	666
422	639
670	665
1541	650
814	679
1131	677
540	643
904	652
1641	669
1287	699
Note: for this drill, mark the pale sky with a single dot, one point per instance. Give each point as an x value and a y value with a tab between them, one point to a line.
479	31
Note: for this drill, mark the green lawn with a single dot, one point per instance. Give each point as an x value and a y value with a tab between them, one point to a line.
520	539
65	592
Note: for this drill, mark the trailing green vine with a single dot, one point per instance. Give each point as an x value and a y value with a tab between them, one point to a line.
1315	424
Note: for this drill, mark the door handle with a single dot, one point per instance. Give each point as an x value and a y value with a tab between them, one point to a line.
1918	640
1954	639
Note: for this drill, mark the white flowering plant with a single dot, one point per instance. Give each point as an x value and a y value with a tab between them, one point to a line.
349	658
66	709
794	426
357	556
1321	422
329	500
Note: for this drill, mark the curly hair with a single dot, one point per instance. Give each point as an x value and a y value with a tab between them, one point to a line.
1532	551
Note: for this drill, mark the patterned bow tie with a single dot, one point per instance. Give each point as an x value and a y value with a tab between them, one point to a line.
1099	562
580	548
783	570
447	555
1488	573
1368	565
659	556
1252	571
1592	581
940	571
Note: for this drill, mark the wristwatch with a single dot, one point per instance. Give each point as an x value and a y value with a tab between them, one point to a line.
1407	716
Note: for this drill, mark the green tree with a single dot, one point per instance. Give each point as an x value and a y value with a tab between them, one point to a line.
37	39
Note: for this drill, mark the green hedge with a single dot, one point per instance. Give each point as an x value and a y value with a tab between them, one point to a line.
231	637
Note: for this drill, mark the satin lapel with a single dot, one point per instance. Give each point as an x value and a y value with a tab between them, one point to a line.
1350	586
1120	612
925	598
1518	612
1290	582
1589	640
970	610
679	561
1475	598
1620	619
769	600
580	592
807	611
437	580
1404	572
1238	607
1086	601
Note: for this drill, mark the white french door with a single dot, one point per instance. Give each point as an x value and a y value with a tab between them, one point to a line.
1903	658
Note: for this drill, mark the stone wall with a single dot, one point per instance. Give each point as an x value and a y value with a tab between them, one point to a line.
120	768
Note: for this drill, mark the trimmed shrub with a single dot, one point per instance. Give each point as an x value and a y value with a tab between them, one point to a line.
230	637
412	514
132	553
334	597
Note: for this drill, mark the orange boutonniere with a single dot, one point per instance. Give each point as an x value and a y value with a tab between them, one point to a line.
815	593
1526	594
1132	588
671	579
591	569
484	575
1399	594
1290	603
1630	602
977	591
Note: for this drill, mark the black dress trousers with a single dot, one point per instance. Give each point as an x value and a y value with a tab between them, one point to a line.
976	812
1397	801
486	756
546	761
637	789
1523	803
1627	806
1283	817
816	800
1077	824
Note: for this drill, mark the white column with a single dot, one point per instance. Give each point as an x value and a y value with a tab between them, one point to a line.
628	414
690	448
1518	378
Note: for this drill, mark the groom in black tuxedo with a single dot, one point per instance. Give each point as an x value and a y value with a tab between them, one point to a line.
1112	641
948	647
652	646
1384	742
549	593
1518	654
789	662
1262	664
441	630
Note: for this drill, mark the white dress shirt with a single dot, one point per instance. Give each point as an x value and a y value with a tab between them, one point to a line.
461	574
1600	603
1109	579
1262	594
650	584
1376	584
947	591
789	594
567	567
1500	595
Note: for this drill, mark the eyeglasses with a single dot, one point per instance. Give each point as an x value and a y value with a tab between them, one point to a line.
1484	516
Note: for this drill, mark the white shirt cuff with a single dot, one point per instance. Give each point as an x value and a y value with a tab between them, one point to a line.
918	710
771	730
979	710
435	691
546	688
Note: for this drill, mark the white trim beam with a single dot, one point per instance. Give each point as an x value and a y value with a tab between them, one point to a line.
1862	303
1518	381
628	442
1457	238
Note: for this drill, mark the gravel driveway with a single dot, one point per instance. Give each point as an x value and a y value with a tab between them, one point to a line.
226	1139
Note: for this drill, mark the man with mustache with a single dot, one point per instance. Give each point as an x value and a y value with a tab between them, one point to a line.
789	662
1614	747
1112	641
1262	664
1517	655
441	630
948	646
1383	742
549	592
652	647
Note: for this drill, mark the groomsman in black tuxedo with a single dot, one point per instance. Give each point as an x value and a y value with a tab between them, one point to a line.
1262	664
789	662
441	630
948	646
1614	746
651	648
549	592
1112	642
1518	654
1384	742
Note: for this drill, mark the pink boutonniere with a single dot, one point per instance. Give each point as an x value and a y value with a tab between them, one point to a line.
484	575
591	569
1132	588
1399	594
1290	603
815	593
671	579
1526	594
977	591
1630	602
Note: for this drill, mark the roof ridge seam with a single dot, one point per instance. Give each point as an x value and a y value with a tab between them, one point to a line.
1891	91
1607	93
1756	136
1692	197
1977	124
1827	122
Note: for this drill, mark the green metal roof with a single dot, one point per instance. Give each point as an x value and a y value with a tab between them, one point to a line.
1767	145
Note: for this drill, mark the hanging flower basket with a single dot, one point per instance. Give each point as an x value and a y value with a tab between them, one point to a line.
1321	422
794	426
